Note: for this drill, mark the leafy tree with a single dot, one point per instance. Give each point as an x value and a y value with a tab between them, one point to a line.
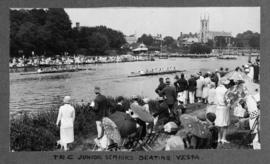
146	39
58	28
168	41
254	41
98	43
248	39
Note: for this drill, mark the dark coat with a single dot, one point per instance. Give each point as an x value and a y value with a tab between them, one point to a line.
215	79
181	85
170	94
160	87
120	108
162	113
256	72
101	107
192	84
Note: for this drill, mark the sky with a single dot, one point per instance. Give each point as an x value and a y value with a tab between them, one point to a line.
168	21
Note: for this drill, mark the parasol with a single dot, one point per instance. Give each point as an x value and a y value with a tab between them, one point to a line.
194	126
237	75
235	93
124	123
142	113
111	130
240	91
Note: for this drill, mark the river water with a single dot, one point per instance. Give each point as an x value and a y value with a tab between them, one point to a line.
45	91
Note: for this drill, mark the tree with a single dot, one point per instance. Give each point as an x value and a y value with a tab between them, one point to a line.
168	41
98	43
146	39
248	39
58	27
254	41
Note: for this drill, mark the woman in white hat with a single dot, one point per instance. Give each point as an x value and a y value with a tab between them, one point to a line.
66	116
222	112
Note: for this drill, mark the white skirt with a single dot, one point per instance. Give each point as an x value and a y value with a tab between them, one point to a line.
222	116
205	92
211	109
67	135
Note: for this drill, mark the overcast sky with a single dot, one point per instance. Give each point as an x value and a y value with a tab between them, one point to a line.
168	21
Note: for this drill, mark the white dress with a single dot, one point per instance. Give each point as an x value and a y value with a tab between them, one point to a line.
67	116
199	87
212	96
206	87
222	111
251	72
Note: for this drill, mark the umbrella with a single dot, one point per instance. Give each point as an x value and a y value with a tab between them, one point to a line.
111	130
142	113
240	91
124	123
252	87
235	93
194	126
237	75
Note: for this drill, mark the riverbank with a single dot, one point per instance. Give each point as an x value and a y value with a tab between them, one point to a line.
37	131
81	62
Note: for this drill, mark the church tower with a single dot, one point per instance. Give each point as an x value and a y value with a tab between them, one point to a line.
204	29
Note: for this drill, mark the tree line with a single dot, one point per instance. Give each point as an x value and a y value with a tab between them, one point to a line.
247	39
49	32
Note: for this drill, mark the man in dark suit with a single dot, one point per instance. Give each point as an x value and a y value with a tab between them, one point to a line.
169	92
182	85
101	109
160	86
192	84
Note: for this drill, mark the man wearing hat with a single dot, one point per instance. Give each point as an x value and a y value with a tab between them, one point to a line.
101	109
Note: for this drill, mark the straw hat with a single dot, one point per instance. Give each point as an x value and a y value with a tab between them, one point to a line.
67	99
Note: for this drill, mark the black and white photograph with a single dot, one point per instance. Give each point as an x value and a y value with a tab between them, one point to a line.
132	79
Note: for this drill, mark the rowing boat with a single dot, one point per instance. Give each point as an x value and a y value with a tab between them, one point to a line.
54	71
154	73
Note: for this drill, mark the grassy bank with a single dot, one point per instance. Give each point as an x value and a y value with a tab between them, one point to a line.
38	132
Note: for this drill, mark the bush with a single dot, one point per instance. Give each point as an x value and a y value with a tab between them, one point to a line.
38	132
33	132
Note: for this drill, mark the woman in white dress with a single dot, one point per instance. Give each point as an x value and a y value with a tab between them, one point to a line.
199	88
206	87
222	113
66	116
211	107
